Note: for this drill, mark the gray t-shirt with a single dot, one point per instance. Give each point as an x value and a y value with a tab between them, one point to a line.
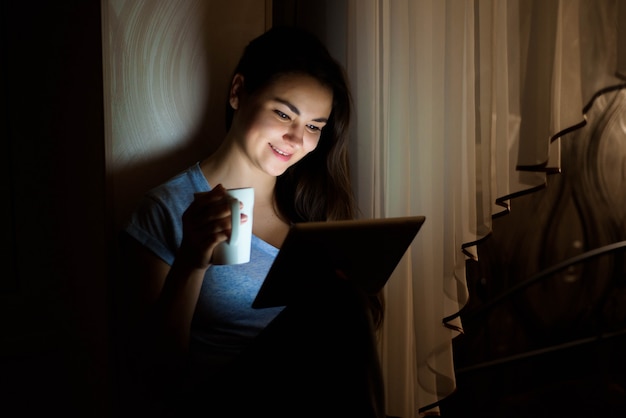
224	321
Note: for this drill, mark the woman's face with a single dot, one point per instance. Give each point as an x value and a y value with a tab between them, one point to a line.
283	122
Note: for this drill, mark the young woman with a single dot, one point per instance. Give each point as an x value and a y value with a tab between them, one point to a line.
197	339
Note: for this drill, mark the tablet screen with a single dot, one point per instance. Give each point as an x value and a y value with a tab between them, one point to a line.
367	251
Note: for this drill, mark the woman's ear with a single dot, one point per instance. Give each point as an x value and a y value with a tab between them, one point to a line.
236	87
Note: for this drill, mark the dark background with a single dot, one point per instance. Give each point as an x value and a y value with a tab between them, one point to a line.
54	347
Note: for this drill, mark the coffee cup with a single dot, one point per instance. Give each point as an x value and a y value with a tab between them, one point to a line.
236	250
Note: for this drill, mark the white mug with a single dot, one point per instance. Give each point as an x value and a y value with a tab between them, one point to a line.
236	250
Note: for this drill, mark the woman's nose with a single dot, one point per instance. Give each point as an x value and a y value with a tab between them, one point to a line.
295	134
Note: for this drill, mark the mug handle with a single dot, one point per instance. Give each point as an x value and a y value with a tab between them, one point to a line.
235	220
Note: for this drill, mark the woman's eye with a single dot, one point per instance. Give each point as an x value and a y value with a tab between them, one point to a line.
281	114
313	128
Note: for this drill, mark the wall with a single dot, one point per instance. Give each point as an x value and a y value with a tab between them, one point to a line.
326	18
167	69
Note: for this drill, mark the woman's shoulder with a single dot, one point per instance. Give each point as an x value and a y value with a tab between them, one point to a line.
159	212
185	183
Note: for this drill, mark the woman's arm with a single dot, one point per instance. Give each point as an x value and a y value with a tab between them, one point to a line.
164	301
163	298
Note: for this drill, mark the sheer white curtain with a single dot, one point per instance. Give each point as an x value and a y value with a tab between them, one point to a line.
459	107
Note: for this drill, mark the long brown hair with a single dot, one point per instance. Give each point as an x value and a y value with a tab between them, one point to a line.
318	187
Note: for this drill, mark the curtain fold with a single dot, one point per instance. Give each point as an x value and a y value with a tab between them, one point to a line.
460	105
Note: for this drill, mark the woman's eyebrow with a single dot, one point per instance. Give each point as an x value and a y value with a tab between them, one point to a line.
296	110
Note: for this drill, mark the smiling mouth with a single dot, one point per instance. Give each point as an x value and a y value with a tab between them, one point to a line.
278	151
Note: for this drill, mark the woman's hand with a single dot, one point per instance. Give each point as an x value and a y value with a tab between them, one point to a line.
206	223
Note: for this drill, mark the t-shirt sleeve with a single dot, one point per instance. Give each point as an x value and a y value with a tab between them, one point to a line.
157	222
156	227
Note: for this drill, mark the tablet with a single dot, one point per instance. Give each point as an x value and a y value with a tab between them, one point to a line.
367	251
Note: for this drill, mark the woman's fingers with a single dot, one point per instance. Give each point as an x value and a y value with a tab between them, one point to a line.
206	223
